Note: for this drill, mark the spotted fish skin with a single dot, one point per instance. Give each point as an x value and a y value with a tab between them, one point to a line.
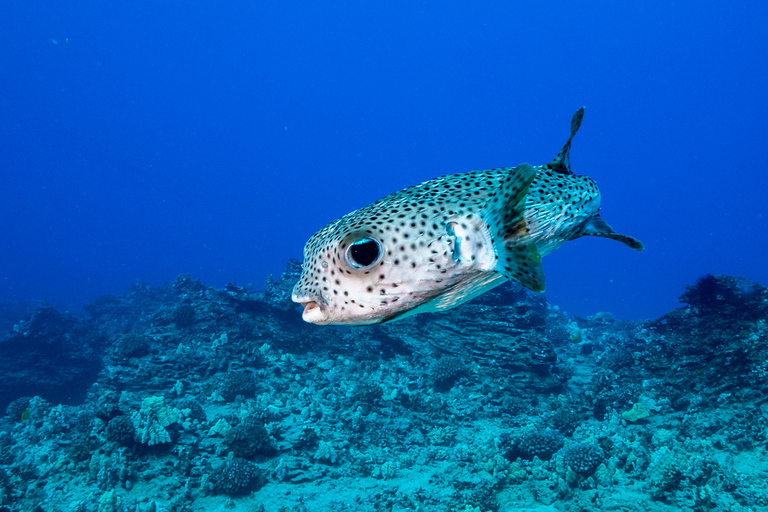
436	245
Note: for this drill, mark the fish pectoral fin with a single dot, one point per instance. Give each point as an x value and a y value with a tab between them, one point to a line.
516	256
596	226
522	264
505	212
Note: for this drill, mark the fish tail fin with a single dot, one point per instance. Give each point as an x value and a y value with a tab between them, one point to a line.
562	162
596	226
517	258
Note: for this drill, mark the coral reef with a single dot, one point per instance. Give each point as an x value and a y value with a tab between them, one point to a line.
445	372
18	410
50	353
250	440
131	345
120	430
186	397
541	444
234	477
152	423
238	383
583	458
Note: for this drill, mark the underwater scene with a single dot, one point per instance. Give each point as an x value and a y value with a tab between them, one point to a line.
411	256
186	397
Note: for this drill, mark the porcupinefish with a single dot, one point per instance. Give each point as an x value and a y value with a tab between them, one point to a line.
436	245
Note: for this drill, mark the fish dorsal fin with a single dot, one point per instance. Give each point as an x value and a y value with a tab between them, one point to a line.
562	162
516	256
596	226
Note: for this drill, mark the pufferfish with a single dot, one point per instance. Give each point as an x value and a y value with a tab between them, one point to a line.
433	246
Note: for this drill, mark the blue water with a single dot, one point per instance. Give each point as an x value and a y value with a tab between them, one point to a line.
141	140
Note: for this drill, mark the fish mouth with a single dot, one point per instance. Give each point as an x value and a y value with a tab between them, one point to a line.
314	312
309	306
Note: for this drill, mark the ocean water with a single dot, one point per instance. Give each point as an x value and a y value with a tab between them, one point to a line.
144	140
160	160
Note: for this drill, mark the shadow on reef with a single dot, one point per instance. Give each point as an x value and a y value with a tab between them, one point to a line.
715	346
173	394
50	354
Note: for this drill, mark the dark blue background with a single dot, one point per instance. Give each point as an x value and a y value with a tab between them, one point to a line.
215	138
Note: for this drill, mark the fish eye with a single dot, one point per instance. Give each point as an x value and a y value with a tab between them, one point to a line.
364	253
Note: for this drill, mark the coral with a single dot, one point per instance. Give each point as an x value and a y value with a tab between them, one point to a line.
325	453
366	393
567	417
387	470
196	411
12	313
235	477
250	440
664	473
17	408
583	458
636	413
446	371
131	345
51	354
152	420
81	448
334	405
238	383
110	502
7	455
130	312
221	428
540	443
482	497
610	392
726	296
309	439
120	430
441	435
718	343
184	315
84	421
111	470
5	488
278	293
186	286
